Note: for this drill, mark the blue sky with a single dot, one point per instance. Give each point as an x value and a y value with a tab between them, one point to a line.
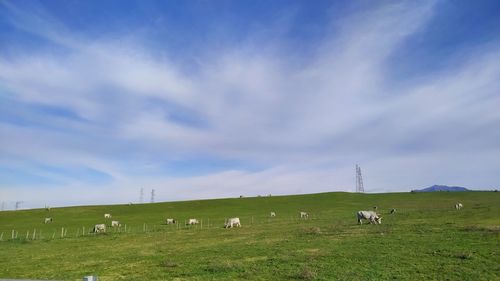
208	99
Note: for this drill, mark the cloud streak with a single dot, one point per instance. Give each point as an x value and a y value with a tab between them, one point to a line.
295	124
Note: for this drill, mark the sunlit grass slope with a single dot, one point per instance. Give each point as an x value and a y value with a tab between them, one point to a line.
427	239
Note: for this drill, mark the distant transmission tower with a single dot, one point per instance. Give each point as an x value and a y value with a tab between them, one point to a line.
359	180
18	204
141	198
152	195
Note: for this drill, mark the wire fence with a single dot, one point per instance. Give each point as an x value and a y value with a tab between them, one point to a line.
180	225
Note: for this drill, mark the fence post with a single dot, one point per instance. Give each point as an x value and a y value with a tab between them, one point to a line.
62	232
83	231
54	235
27	234
65	232
201	225
1	237
34	234
12	233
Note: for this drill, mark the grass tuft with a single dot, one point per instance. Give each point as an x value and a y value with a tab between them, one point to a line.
169	264
313	231
221	267
306	274
464	256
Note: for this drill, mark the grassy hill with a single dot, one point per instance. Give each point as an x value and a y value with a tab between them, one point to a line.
427	239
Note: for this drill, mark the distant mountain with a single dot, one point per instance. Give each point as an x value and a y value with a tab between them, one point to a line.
441	188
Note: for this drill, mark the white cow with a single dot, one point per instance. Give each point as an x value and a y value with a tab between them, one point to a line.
193	221
107	216
99	228
232	222
273	214
459	206
47	220
171	221
304	215
371	216
115	224
393	211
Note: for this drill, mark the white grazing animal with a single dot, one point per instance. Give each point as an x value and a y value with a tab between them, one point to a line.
232	222
99	228
304	215
371	216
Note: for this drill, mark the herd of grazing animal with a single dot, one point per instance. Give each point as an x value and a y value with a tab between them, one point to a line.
371	216
101	228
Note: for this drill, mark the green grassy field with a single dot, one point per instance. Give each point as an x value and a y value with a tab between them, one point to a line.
427	239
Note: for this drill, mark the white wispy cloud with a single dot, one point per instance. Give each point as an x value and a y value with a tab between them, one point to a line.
305	121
